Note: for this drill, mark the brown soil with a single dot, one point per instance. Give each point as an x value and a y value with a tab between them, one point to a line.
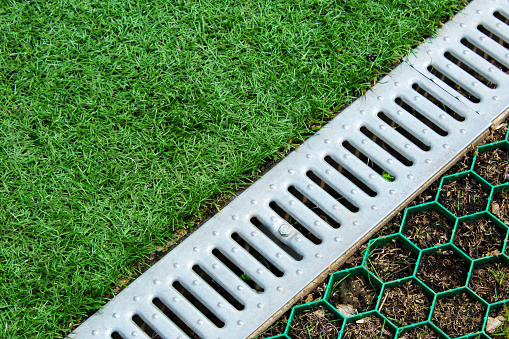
406	304
420	333
479	238
500	205
458	315
443	270
491	281
493	166
370	327
315	323
428	228
392	261
464	196
356	291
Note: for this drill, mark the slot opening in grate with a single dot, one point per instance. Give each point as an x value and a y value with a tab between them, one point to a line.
501	17
383	144
412	138
410	109
218	287
317	179
197	303
175	318
460	89
255	254
438	103
311	205
354	179
145	327
479	51
493	36
368	161
464	66
291	220
237	271
265	230
116	335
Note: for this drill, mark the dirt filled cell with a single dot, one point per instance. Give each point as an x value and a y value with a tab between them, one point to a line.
458	315
428	228
356	291
370	327
443	270
392	261
277	328
315	323
493	166
491	281
420	333
406	304
479	238
499	206
464	196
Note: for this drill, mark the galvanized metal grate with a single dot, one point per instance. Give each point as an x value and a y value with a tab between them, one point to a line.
261	250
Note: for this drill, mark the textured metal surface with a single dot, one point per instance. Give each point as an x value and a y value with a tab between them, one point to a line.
331	207
478	37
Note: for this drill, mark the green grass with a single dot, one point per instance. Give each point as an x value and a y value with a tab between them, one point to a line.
120	120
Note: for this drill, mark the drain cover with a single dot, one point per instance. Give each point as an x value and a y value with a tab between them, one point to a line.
261	250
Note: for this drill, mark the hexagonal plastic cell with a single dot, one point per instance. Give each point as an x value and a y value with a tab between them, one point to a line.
372	326
422	332
499	203
314	320
492	164
464	193
406	302
391	258
443	268
459	313
428	225
353	291
480	235
489	279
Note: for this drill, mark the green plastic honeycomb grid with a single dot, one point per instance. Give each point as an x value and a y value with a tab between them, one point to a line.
425	249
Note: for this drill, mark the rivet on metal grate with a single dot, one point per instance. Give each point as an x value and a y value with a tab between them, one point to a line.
261	250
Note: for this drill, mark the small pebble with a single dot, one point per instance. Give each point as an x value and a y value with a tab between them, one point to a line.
495	209
494	323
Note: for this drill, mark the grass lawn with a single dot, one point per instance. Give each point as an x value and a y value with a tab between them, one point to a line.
120	120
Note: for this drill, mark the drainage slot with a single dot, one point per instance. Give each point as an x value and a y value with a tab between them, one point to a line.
218	288
403	104
145	327
463	91
380	142
285	215
438	103
370	163
317	210
175	318
501	17
355	180
116	335
403	132
196	303
236	270
336	195
493	36
261	259
265	230
467	43
449	56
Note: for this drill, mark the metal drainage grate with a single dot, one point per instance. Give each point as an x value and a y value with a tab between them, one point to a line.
261	250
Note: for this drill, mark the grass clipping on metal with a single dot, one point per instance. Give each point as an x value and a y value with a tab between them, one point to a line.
121	120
